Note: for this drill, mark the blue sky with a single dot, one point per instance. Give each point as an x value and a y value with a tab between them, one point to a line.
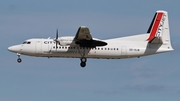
59	79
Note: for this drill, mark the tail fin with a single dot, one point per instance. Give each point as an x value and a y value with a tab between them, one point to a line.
159	28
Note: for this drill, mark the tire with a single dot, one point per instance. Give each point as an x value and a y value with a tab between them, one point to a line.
83	59
19	60
83	64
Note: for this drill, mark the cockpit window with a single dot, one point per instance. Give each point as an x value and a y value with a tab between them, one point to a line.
27	42
24	42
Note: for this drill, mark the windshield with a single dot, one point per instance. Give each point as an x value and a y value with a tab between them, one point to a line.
27	42
24	42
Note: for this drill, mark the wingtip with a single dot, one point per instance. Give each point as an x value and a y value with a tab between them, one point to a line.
83	26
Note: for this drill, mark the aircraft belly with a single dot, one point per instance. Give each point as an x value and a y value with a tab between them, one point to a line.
78	54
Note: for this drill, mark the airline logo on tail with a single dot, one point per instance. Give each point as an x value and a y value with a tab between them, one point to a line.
156	27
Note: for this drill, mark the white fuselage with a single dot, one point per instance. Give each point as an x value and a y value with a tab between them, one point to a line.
126	47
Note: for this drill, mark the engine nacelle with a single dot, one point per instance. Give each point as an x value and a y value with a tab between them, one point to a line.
65	41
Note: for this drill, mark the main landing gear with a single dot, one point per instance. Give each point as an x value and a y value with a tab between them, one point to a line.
83	62
83	59
19	60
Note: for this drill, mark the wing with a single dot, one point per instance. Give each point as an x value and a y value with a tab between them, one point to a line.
83	33
84	38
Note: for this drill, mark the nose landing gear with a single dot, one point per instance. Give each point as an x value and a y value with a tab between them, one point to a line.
19	60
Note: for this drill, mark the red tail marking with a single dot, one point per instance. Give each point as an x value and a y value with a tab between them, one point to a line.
155	25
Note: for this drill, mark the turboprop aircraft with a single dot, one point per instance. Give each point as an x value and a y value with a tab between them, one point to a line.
83	45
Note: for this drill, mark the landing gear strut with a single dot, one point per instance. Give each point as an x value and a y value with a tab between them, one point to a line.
83	59
19	60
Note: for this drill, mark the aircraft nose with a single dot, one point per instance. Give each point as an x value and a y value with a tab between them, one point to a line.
15	48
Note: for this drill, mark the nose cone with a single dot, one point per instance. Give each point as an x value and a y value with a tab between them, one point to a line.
15	48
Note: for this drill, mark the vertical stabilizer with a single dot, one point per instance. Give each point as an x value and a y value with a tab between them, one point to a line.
159	28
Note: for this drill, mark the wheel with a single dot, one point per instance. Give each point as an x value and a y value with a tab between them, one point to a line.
83	64
19	60
83	59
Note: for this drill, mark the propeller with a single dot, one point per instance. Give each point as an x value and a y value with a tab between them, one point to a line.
56	39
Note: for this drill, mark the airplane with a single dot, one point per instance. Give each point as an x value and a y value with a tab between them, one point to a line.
83	45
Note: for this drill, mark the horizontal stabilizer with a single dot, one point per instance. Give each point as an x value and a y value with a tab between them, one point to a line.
156	40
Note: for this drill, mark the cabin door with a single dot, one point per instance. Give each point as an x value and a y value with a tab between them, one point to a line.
38	47
123	50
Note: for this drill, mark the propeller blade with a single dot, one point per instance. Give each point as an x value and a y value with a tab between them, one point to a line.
56	40
56	34
56	44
